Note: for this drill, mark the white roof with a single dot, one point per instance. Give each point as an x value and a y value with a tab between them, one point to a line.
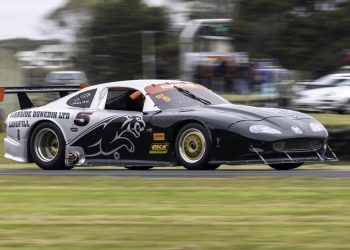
136	84
139	85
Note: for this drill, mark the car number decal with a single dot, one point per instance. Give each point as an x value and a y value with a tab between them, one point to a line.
82	118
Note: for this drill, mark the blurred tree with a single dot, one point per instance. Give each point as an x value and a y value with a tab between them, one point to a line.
110	40
23	44
298	33
306	42
73	15
205	9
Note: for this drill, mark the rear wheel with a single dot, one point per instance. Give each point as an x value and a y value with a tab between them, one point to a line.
286	166
47	147
192	147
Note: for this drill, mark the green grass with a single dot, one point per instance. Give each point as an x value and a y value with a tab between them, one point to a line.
183	214
332	120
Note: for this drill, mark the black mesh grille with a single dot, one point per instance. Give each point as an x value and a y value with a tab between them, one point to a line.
297	145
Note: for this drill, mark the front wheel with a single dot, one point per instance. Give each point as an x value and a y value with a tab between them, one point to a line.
192	147
286	166
212	166
47	147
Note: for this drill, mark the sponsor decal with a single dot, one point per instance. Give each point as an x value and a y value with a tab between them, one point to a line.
63	115
158	137
18	124
163	97
179	85
40	114
20	114
159	88
296	130
82	100
159	148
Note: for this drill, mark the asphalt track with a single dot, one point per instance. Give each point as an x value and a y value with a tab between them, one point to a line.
175	173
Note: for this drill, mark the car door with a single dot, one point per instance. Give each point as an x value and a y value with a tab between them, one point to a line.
122	130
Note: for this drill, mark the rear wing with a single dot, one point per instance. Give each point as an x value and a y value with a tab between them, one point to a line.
25	102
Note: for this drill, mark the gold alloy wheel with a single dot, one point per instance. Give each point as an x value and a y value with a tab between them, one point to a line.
192	145
46	145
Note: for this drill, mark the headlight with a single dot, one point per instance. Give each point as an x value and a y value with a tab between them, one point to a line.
262	129
316	127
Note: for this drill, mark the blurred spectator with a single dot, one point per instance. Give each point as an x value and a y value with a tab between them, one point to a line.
230	74
242	78
205	73
236	77
162	68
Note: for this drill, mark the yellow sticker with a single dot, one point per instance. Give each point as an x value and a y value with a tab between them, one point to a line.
158	137
163	97
159	148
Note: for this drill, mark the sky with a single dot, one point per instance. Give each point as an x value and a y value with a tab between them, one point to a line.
26	18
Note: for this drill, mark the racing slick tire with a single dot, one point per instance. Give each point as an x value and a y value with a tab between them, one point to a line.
212	166
139	167
192	147
286	166
47	147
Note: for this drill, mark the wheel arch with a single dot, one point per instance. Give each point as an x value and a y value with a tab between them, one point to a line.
30	134
179	125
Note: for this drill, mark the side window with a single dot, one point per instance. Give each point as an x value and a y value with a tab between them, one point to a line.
83	99
124	99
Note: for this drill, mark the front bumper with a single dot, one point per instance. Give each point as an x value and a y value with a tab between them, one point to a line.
257	155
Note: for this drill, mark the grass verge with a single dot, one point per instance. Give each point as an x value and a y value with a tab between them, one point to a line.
332	120
183	214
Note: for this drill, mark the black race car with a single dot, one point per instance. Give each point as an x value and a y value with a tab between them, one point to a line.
145	123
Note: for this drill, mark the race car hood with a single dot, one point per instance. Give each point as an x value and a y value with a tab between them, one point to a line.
247	113
225	115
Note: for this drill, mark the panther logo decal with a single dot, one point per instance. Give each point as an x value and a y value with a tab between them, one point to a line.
111	135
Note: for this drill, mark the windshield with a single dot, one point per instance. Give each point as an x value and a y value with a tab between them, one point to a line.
182	95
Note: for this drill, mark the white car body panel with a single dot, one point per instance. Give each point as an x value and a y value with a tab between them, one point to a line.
323	99
19	124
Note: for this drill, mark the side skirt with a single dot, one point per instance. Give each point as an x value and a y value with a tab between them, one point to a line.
124	163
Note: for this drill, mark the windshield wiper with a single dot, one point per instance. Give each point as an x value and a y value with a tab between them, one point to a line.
187	93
